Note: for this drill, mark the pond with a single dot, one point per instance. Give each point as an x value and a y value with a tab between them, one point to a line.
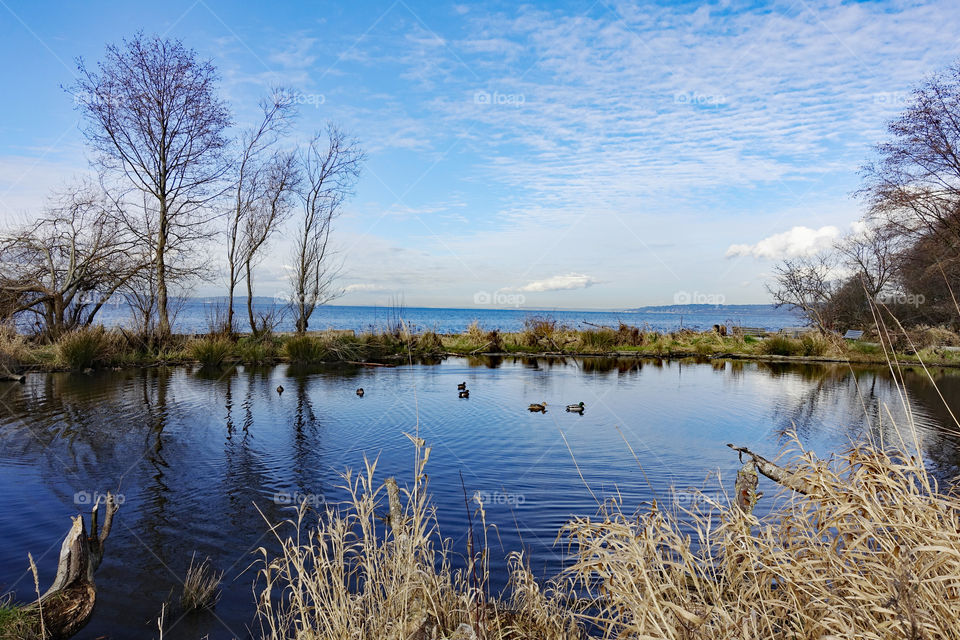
198	455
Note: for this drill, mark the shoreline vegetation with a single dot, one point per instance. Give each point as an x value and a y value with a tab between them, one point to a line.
864	544
100	348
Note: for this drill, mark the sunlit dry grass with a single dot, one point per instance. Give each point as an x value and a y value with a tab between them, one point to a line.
871	551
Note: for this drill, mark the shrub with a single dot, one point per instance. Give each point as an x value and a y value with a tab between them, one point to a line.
304	350
629	335
210	352
781	346
86	348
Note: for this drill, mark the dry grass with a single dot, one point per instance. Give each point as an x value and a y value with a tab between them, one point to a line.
871	551
14	349
201	586
90	347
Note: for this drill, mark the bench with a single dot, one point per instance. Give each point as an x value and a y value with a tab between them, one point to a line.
852	334
795	332
756	332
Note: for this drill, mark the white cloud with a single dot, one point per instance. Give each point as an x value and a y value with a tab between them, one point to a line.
561	283
798	241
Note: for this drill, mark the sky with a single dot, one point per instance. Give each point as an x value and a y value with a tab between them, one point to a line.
591	155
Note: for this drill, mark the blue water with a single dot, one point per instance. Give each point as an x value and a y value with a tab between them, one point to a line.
194	451
195	315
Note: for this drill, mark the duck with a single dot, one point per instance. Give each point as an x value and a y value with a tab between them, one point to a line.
575	408
462	386
542	407
465	393
360	392
280	390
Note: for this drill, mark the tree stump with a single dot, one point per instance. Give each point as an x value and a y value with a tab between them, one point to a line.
67	605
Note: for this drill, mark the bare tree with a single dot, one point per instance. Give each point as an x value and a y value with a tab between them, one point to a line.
806	284
153	115
914	185
66	265
274	206
869	253
330	166
263	180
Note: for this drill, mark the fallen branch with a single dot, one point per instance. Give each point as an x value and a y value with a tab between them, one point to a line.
774	471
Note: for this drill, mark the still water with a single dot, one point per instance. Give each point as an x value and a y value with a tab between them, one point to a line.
192	452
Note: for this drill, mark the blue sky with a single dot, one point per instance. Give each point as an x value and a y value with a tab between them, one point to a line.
593	154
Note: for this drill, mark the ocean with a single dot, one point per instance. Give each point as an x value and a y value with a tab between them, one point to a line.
195	315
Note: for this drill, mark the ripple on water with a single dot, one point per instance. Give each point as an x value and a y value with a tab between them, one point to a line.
203	457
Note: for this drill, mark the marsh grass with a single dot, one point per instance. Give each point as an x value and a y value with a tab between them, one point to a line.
201	586
211	351
303	349
86	348
15	351
256	350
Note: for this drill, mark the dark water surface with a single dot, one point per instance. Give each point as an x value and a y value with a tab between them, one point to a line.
192	452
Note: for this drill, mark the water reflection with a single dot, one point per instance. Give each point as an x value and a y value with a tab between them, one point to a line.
199	454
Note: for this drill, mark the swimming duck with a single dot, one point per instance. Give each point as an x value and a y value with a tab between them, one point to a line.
280	390
542	407
462	386
360	392
465	393
575	408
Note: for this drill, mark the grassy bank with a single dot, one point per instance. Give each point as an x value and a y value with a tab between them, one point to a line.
870	550
96	348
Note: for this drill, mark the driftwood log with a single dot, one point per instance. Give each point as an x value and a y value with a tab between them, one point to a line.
6	376
67	605
747	479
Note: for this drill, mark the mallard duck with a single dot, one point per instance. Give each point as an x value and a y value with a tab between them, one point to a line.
575	408
542	407
462	386
360	392
280	390
465	393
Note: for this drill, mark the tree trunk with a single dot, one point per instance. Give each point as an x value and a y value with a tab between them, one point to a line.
253	322
67	605
163	327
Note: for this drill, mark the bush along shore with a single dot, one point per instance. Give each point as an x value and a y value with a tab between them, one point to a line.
98	348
